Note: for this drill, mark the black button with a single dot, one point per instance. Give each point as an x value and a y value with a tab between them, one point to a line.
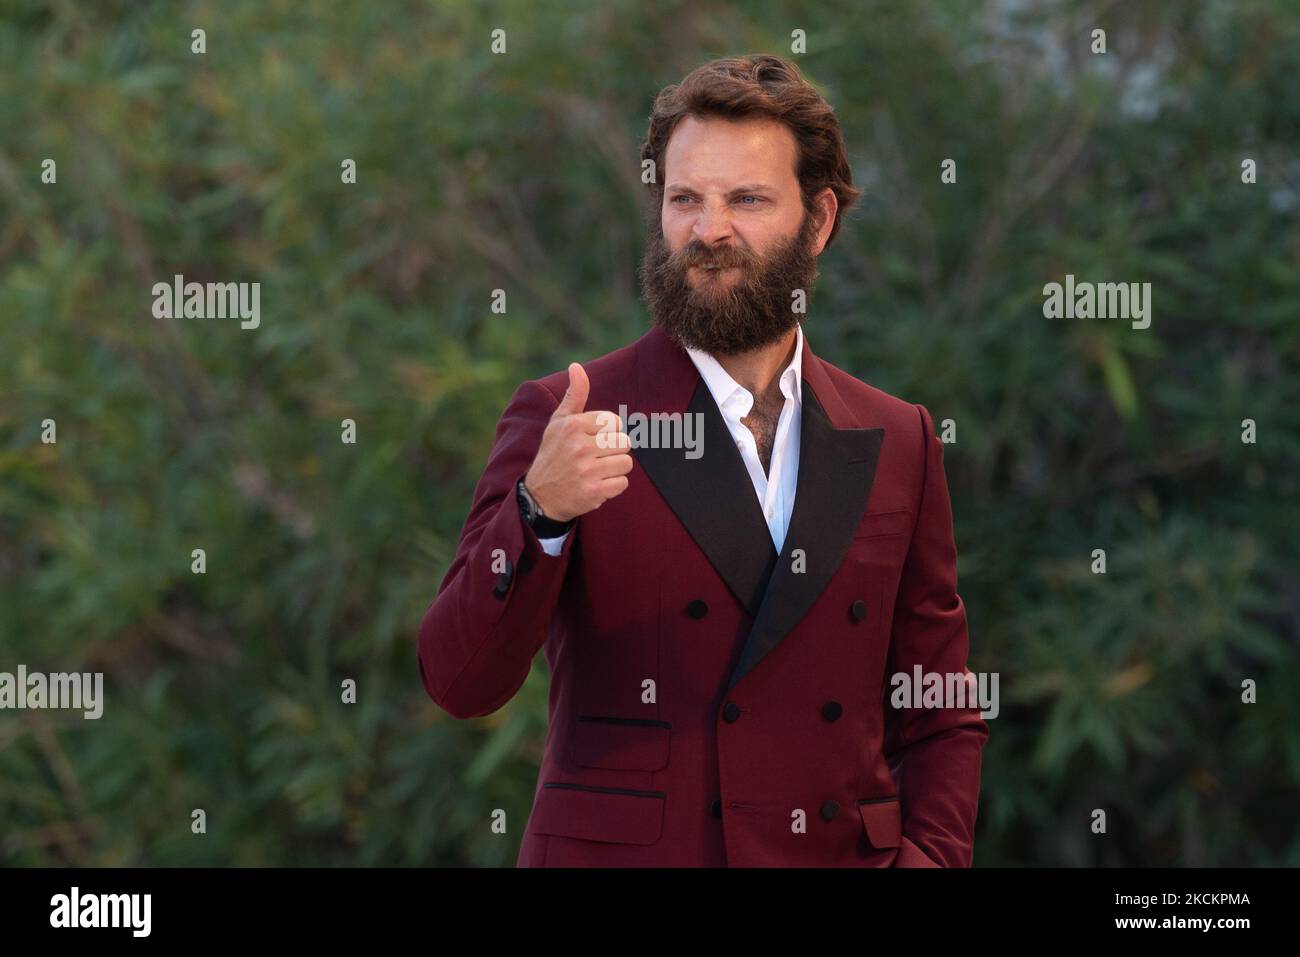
697	609
716	807
830	810
858	610
503	581
832	710
731	712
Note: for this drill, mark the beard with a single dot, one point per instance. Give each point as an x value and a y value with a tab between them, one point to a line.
733	312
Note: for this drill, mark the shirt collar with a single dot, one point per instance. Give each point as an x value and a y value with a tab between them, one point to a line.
726	390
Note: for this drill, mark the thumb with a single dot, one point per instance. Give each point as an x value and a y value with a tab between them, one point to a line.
575	399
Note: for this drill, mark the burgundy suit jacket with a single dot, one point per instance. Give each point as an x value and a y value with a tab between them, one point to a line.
712	703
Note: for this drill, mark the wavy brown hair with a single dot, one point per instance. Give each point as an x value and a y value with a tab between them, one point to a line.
758	86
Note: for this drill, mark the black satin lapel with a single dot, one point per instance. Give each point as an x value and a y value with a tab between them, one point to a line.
836	470
714	499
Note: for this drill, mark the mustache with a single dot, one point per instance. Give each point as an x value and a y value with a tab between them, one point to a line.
696	253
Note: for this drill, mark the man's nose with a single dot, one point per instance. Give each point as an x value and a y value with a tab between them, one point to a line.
713	224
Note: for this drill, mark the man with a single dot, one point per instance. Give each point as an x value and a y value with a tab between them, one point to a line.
721	624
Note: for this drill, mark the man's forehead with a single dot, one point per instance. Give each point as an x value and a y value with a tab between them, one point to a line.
714	151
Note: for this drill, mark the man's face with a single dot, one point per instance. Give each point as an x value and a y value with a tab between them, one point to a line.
734	240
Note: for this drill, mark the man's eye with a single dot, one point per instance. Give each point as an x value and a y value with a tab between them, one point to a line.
676	198
756	199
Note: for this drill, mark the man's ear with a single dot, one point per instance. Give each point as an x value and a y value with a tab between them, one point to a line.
827	206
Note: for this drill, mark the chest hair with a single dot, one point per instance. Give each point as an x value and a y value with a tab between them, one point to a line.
761	423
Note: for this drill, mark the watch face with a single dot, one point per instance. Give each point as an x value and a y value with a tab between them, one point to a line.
527	504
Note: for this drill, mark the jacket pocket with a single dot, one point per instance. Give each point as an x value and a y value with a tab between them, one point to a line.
614	815
882	819
619	744
884	524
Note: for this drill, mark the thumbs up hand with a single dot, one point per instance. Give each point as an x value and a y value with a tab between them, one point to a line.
583	460
574	399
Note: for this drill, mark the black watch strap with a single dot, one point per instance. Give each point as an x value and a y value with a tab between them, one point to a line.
532	513
549	527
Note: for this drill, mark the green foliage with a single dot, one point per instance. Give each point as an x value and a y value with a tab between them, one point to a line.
520	172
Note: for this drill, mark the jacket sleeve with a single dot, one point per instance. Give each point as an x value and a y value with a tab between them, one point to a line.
933	753
478	637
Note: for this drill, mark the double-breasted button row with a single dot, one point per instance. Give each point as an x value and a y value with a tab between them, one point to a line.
831	711
830	810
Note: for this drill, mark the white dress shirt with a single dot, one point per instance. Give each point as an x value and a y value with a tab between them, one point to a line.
775	489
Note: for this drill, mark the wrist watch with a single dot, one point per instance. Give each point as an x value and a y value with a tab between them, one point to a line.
533	515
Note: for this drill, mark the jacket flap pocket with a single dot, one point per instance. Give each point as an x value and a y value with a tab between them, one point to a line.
880	524
616	815
882	820
620	744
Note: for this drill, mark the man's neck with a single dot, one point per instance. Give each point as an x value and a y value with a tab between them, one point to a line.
758	370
